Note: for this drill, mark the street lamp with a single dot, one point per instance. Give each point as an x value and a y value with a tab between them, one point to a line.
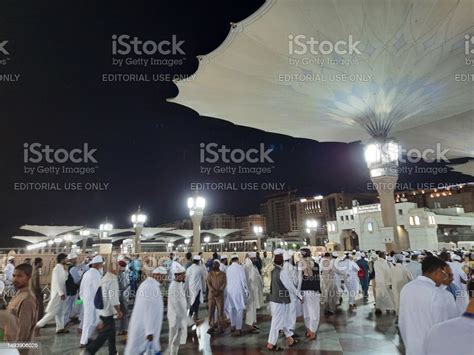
311	229
84	233
138	220
196	207
382	160
258	230
207	239
105	244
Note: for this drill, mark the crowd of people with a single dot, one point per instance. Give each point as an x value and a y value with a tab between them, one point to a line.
430	293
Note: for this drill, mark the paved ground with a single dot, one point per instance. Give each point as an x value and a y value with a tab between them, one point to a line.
359	332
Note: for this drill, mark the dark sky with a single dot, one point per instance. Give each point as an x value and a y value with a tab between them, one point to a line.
147	148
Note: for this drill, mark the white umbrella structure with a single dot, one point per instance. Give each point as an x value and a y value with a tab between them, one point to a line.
346	70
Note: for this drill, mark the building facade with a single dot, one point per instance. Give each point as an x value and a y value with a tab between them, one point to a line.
361	227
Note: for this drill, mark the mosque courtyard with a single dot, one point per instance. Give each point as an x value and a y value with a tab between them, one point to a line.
358	332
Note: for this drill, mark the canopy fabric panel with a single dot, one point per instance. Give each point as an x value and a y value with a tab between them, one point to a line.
50	231
220	232
31	240
379	68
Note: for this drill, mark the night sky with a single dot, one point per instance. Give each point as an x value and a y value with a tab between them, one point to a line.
148	150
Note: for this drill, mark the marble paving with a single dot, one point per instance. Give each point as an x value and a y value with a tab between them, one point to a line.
358	332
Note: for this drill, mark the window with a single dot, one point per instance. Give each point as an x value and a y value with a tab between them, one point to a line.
431	220
352	217
400	212
342	218
347	217
412	223
370	227
417	220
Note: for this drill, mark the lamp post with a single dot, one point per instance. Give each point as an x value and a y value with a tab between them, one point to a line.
221	242
105	244
84	233
138	220
186	242
311	229
196	206
382	160
207	239
68	240
258	230
50	245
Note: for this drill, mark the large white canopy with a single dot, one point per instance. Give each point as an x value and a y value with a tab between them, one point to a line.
31	240
148	232
407	77
220	232
50	231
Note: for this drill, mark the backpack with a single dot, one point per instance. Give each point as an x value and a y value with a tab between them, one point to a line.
361	273
98	299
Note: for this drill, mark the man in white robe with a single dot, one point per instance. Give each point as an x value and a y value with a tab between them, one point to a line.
195	286
309	281
295	306
454	336
89	285
329	291
254	282
423	304
57	302
400	276
237	293
177	309
147	316
414	267
352	281
384	296
8	271
280	289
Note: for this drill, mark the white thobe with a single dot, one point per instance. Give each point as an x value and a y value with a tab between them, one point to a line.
253	281
384	299
400	276
422	305
177	316
280	311
89	286
56	305
352	280
146	319
295	306
414	268
8	273
195	279
458	274
237	293
453	336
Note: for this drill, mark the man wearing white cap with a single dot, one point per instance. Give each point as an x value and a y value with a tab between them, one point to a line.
309	279
177	309
329	291
216	284
400	276
280	289
384	295
194	285
57	299
255	283
72	286
295	305
8	271
237	293
414	267
147	315
89	285
224	262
